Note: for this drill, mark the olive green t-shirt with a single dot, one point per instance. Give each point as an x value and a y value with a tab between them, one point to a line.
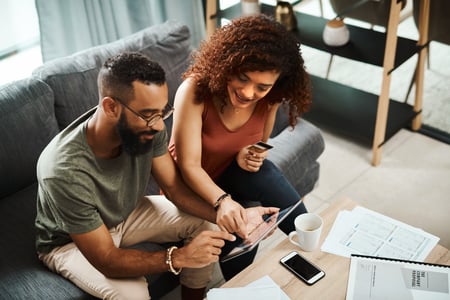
78	192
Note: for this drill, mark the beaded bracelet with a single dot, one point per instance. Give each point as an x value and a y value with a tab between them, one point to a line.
219	200
169	261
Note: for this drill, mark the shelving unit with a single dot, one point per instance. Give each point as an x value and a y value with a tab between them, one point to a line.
352	112
368	117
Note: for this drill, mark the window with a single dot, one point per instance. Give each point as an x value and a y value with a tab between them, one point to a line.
19	41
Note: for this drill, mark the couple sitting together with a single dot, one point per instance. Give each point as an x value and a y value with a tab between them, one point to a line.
93	175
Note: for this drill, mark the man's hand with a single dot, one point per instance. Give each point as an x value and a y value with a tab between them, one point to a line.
203	250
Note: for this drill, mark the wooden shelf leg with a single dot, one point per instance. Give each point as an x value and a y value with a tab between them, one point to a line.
211	22
388	65
423	39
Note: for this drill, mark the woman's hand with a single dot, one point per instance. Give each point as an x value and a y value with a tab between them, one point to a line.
231	217
250	160
255	218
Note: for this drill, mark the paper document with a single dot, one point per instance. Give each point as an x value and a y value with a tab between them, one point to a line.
362	231
381	278
262	289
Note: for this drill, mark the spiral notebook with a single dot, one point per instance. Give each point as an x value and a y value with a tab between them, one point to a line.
373	277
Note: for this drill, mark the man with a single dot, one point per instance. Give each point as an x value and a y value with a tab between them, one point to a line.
92	179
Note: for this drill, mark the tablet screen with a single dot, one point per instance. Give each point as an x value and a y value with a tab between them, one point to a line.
259	232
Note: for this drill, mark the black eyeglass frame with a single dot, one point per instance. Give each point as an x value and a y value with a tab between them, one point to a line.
150	121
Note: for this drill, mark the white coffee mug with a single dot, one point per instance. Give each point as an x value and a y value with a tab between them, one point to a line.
335	33
308	228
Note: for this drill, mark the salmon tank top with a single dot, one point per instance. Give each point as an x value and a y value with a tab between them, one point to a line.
221	145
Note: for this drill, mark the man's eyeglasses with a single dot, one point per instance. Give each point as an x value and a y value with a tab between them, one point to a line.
151	120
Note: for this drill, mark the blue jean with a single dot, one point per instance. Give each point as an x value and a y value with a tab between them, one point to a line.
268	187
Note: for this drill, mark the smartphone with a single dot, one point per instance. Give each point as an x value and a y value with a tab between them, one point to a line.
260	147
302	268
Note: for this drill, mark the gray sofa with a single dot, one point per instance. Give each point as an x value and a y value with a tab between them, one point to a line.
35	109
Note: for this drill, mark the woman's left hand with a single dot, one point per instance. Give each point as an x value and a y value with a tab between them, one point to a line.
250	160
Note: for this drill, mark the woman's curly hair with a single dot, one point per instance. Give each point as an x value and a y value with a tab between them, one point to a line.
254	43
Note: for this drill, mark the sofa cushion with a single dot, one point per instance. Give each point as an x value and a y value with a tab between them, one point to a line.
27	124
22	275
74	78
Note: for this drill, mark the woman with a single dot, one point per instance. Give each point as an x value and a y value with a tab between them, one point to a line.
227	102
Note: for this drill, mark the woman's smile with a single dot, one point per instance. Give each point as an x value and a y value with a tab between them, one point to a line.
250	87
244	100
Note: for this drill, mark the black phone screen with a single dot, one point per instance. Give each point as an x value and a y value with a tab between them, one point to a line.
302	267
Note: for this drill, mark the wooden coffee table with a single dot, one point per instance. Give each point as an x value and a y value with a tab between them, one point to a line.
334	284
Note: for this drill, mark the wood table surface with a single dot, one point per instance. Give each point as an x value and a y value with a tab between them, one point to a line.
334	284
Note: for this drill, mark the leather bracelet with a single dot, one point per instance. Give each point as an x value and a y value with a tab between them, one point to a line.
219	200
169	261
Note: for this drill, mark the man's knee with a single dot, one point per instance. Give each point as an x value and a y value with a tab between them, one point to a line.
197	278
197	225
130	289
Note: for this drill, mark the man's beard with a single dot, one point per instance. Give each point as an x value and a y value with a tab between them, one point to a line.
131	142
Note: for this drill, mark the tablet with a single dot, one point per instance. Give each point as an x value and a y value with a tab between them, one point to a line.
261	231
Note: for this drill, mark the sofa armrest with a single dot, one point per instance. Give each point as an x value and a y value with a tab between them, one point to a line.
27	124
296	152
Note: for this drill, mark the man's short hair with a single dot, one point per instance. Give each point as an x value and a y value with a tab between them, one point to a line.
118	73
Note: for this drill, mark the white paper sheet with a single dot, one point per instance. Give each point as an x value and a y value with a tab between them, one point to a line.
262	289
363	231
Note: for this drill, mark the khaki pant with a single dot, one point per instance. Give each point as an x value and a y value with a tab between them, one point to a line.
155	219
